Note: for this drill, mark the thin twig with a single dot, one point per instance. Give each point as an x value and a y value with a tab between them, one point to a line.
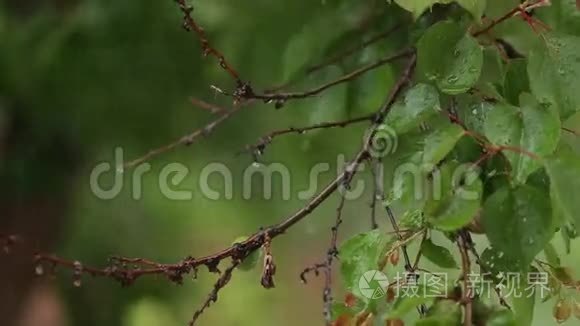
222	281
266	140
408	267
212	108
190	25
187	139
519	9
237	252
280	98
376	173
348	52
471	245
332	252
467	295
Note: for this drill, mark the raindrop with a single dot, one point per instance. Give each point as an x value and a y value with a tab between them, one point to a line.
452	79
432	76
500	254
524	219
474	112
531	241
561	71
456	53
39	270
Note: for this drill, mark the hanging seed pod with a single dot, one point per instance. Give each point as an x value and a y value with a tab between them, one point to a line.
577	310
394	257
342	320
349	300
390	294
77	274
39	269
394	322
562	311
368	321
361	317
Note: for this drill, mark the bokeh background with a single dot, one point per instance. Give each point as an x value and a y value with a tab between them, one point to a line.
79	78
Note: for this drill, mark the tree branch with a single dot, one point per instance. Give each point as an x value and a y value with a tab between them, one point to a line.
190	25
222	281
247	92
259	147
119	271
467	295
190	138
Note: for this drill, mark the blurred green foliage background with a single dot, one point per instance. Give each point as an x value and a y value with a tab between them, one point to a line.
81	77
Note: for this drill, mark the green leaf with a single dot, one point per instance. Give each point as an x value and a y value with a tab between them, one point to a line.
562	15
502	317
370	89
309	44
331	106
441	141
516	81
475	7
564	170
455	197
406	303
568	233
442	313
493	70
417	7
420	103
360	254
497	263
551	255
533	129
518	222
450	57
554	71
523	304
415	157
412	220
438	255
472	110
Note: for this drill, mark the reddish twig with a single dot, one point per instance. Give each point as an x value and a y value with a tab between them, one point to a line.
259	147
246	92
190	25
212	108
496	22
326	266
118	269
222	281
522	10
350	51
188	139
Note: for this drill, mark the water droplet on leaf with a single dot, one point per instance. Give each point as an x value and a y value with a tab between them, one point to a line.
452	79
39	270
